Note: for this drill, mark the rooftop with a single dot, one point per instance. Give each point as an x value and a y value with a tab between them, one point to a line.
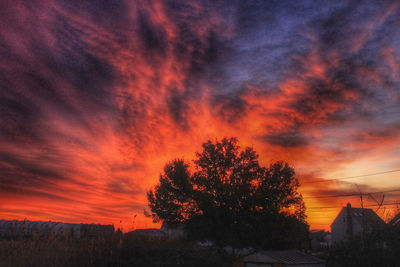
282	256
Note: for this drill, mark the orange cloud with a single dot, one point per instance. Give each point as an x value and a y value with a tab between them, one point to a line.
102	96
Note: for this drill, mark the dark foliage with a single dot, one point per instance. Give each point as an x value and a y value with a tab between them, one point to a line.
378	248
170	254
230	199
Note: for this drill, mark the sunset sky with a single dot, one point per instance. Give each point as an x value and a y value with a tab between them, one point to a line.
96	96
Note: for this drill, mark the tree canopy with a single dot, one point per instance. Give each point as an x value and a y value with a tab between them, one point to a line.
228	198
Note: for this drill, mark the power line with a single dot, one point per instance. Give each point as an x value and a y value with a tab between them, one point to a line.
353	194
335	207
349	177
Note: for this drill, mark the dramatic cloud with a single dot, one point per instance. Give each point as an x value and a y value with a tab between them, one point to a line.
96	96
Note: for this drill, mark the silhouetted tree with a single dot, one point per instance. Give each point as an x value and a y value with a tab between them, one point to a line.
230	199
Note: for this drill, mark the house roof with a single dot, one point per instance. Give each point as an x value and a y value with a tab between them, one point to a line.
395	220
363	216
366	216
147	232
281	256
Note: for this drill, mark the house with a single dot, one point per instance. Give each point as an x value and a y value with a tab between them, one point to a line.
395	220
174	233
148	234
320	239
162	234
279	258
351	222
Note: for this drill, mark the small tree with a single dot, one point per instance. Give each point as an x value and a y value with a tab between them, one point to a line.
230	199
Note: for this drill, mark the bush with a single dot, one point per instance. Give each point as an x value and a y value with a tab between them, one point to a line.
171	253
379	248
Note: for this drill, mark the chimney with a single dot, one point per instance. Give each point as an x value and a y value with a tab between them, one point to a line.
349	219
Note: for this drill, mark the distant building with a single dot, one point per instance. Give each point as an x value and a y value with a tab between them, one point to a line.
174	233
148	234
320	239
27	229
279	258
165	233
351	222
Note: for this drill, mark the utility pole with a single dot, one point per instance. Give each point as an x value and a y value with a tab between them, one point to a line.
362	218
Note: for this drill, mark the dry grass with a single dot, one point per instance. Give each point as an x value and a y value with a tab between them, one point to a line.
103	252
60	252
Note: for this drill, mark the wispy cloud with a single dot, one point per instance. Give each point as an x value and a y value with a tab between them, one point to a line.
95	97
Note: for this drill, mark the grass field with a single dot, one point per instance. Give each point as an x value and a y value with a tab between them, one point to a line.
111	251
59	252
